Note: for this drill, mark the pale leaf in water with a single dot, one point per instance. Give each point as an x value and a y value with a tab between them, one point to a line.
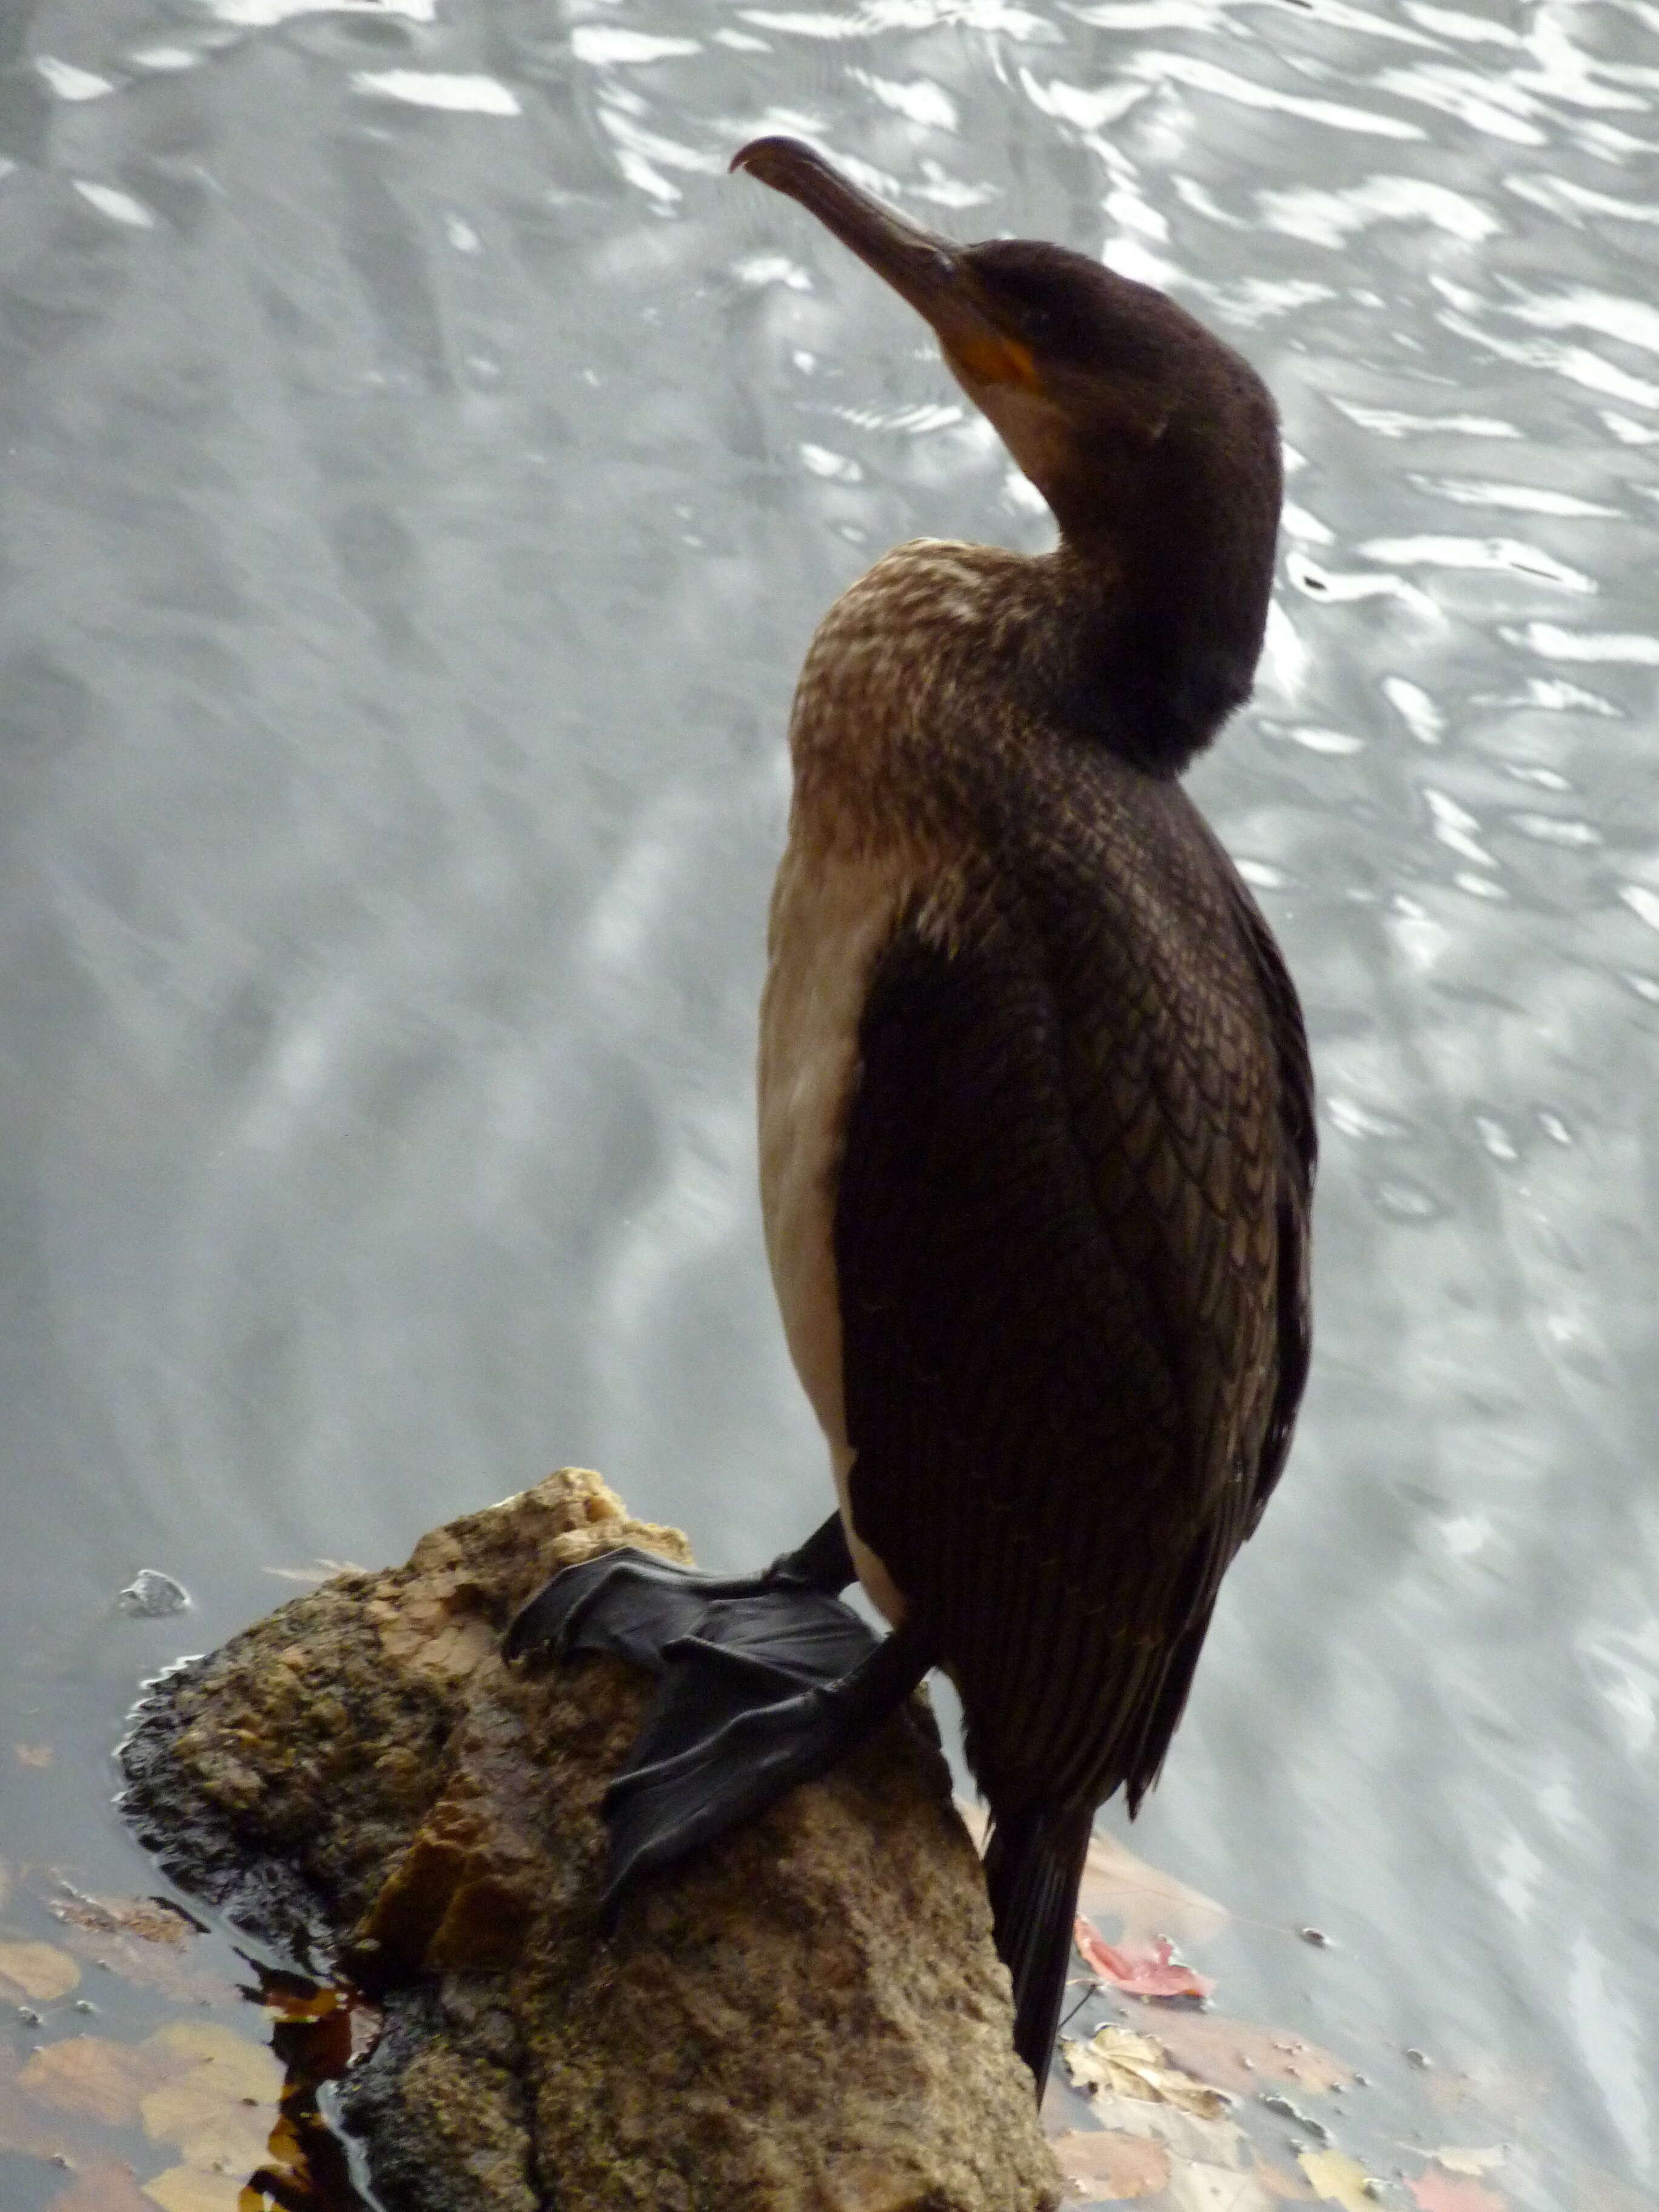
1338	2179
221	2111
33	1754
1130	2065
40	1971
188	2189
1469	2161
1101	2162
1189	2139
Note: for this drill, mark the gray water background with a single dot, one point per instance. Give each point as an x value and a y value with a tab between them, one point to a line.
423	467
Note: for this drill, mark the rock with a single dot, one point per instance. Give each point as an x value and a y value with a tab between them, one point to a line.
808	2016
151	1595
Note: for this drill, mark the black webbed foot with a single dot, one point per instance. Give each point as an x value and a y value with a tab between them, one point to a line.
763	1681
768	1694
634	1603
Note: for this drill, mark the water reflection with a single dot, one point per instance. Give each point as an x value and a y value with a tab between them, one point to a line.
424	469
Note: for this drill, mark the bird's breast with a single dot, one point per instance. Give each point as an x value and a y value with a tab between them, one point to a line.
831	914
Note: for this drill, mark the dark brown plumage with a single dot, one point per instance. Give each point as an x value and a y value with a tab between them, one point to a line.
1071	1200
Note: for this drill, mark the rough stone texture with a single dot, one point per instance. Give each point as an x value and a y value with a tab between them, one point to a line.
809	2017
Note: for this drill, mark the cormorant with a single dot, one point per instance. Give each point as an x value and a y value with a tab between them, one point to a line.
1036	1125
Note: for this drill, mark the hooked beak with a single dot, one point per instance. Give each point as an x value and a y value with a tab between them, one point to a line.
928	271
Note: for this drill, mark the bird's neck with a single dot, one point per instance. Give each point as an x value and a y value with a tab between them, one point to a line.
1147	648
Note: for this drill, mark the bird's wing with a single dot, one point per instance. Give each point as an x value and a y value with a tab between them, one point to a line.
1069	1241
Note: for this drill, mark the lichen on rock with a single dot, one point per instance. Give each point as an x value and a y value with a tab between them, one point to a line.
808	2016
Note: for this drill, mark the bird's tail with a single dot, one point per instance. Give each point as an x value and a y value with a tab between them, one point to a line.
1033	1869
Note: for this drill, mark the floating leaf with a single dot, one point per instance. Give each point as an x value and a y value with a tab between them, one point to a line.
1131	2065
1104	2163
143	1939
1238	2055
1469	2161
106	2187
1145	1969
40	1971
152	1919
1448	2192
1338	2179
33	1754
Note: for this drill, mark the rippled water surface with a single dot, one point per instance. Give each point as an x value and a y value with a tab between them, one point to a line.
423	469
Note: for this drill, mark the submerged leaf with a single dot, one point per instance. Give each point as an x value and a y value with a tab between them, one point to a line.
1189	2138
1338	2179
40	1971
105	2187
189	2189
1107	2164
1202	2187
1148	1970
1469	2161
220	2110
91	2075
1238	2055
1146	1901
1448	2193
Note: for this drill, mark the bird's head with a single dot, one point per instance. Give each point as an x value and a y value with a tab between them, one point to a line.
1155	445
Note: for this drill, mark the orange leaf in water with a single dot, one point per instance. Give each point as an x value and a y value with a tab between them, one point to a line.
1104	2163
1438	2191
1150	1970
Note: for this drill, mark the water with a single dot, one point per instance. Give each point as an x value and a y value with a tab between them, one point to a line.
424	467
